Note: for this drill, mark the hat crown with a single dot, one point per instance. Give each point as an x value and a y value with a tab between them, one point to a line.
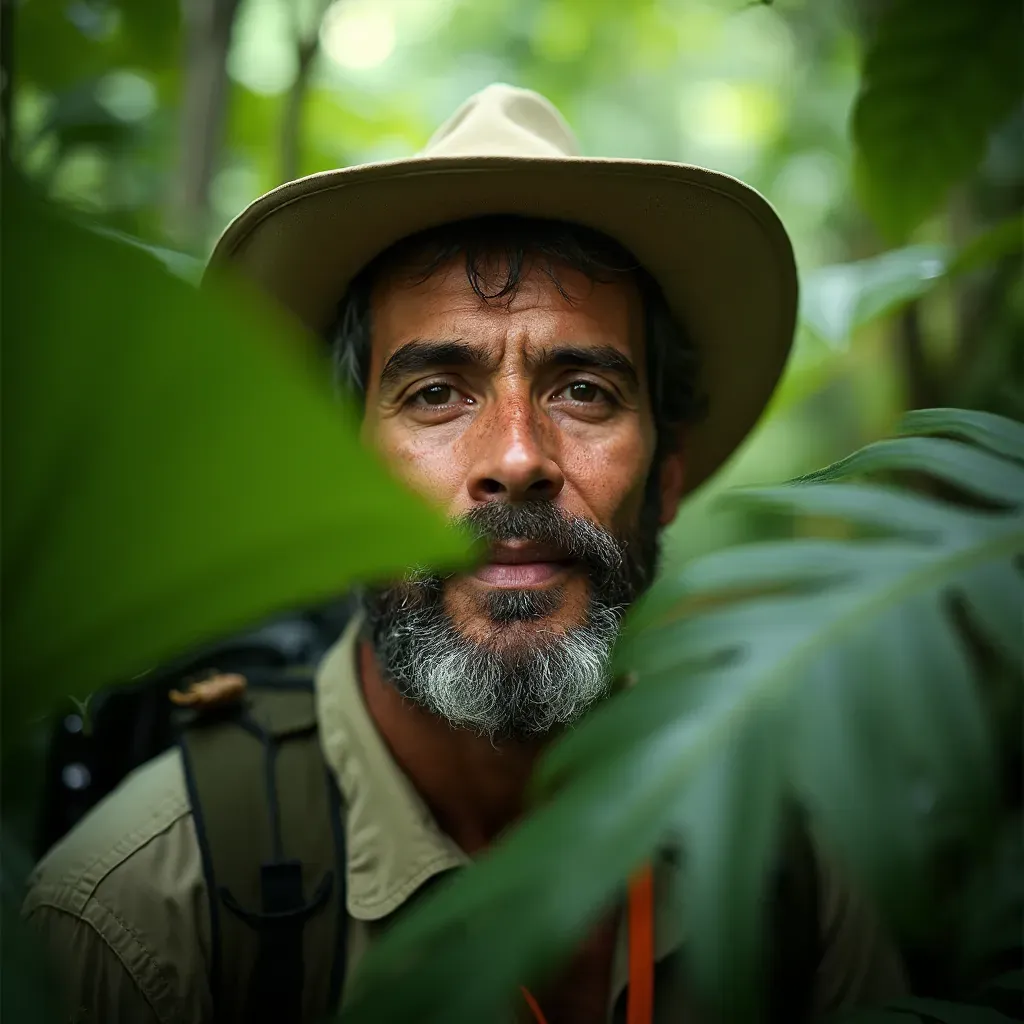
503	120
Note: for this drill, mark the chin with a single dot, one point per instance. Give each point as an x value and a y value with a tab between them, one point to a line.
506	618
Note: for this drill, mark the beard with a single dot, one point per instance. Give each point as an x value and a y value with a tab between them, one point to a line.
517	681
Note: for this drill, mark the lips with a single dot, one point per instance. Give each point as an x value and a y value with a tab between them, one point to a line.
523	564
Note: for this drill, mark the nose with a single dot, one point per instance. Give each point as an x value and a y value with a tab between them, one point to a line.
514	457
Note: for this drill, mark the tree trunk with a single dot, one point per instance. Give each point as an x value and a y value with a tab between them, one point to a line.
291	119
918	375
207	29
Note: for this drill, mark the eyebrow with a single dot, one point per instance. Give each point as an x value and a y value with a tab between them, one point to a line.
423	354
596	357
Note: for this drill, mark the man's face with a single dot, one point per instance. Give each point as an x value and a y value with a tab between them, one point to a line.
531	422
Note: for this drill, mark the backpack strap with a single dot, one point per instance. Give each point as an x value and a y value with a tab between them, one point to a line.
268	819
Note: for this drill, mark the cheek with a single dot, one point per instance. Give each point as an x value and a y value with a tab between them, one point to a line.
429	464
609	473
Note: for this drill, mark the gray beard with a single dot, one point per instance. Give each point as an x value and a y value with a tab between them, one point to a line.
520	681
503	691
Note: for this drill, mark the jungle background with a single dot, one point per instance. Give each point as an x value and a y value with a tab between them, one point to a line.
888	135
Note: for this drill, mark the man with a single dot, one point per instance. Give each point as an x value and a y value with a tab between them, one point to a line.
554	350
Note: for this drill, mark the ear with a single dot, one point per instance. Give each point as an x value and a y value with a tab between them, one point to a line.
672	481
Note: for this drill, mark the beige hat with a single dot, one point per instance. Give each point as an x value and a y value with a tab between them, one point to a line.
716	247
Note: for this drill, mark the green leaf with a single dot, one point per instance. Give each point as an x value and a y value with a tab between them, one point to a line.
874	1016
937	79
1003	239
968	469
29	992
994	595
998	434
952	1013
883	509
1010	980
837	301
175	466
733	813
878	717
188	268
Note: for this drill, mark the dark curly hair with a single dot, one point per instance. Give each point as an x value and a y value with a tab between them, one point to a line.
516	244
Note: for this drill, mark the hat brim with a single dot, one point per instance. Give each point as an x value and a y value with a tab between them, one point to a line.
715	246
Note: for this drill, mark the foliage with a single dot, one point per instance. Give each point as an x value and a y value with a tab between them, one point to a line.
146	422
839	301
829	668
938	78
174	466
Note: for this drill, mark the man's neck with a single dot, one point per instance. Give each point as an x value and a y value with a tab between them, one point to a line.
474	788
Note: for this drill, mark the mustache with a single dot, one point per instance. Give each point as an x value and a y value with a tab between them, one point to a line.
542	522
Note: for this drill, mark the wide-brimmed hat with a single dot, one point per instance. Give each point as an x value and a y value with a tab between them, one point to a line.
715	246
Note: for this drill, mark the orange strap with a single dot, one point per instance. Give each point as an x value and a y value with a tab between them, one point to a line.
538	1013
640	1005
640	1008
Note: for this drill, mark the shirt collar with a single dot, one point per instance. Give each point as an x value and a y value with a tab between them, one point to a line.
394	845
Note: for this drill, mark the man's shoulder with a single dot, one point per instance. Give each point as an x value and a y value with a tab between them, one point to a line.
120	903
140	833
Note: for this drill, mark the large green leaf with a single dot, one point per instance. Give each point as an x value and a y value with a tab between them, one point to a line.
996	433
731	818
829	667
175	465
987	476
923	1011
937	79
942	1012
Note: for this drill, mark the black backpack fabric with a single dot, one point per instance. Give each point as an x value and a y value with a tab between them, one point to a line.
88	756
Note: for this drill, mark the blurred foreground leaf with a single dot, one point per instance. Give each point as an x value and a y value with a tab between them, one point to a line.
839	300
937	80
832	668
174	466
27	992
923	1011
188	268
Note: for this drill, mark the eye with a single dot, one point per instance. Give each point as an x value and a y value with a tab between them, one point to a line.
438	395
584	391
435	394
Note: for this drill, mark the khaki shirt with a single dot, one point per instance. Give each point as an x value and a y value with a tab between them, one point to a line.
122	906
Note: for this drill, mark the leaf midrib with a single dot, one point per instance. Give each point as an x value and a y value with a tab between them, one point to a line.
788	667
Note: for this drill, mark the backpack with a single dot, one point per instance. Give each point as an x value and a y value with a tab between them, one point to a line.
269	822
87	757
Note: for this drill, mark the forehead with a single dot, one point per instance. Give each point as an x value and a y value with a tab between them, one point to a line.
550	303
